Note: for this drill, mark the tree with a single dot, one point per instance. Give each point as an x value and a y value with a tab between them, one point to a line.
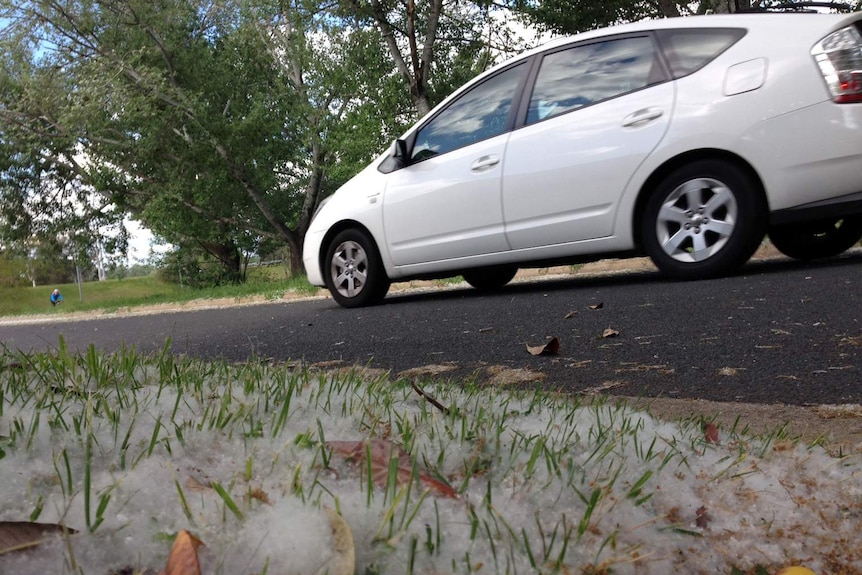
44	200
436	46
216	126
574	16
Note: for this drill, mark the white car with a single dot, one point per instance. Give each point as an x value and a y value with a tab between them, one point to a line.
687	139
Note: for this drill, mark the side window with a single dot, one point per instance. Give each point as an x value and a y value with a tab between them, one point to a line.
690	50
477	115
586	74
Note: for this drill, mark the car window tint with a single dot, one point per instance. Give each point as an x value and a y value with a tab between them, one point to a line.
586	74
479	114
689	50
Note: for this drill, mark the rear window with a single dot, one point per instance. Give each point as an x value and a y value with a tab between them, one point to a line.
689	50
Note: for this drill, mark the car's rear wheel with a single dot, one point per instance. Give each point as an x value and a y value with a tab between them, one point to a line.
354	272
488	279
703	220
820	239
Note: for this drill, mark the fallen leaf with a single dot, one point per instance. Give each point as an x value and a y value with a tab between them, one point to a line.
702	517
344	562
260	495
603	387
196	485
381	452
20	535
570	315
610	332
599	305
183	559
552	347
711	433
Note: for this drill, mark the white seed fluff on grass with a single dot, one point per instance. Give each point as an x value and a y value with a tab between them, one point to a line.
129	450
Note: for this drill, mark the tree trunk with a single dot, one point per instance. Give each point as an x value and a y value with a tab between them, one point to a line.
228	256
294	254
668	8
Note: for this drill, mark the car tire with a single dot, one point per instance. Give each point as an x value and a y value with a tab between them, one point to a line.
704	220
354	272
489	279
820	239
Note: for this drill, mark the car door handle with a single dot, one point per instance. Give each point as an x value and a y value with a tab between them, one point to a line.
642	117
484	163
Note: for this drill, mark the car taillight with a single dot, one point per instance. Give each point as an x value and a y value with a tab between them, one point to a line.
839	56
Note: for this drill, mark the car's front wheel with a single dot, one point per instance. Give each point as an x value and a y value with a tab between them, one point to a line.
703	220
354	272
489	279
820	239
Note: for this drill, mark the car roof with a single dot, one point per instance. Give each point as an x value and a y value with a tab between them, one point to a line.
785	21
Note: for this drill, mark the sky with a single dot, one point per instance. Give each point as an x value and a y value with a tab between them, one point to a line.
140	242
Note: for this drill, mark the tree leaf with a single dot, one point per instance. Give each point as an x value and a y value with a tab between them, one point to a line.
702	520
610	332
710	431
599	305
183	559
552	347
382	451
20	535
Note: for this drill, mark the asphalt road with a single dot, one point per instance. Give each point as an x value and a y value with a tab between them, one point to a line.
779	332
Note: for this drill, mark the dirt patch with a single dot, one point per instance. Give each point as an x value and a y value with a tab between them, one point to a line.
837	427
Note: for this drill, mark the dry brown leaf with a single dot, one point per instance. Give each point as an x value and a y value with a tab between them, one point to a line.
711	433
260	495
552	347
344	562
196	485
610	332
20	535
570	315
183	559
599	305
381	452
702	517
603	387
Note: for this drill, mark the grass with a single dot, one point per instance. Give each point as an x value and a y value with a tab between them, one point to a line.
129	449
111	295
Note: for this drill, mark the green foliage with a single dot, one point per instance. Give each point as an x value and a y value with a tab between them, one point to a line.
195	268
210	126
574	16
213	127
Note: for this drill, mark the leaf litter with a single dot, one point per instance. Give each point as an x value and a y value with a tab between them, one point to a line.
498	480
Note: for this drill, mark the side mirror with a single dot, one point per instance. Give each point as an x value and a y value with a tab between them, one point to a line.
401	151
397	160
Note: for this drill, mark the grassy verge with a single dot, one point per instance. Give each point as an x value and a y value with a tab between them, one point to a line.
430	477
111	295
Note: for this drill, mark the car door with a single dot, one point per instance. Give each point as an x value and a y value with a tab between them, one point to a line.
445	203
595	113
